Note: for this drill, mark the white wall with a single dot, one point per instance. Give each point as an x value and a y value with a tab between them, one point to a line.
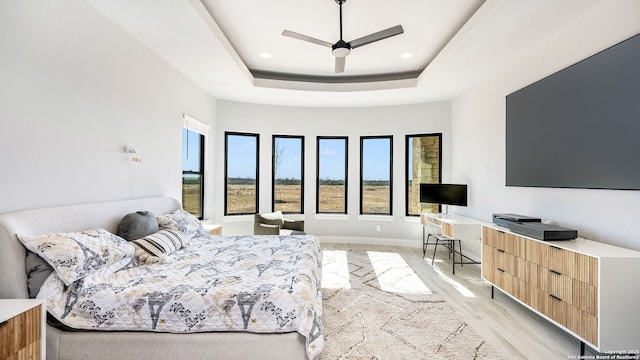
478	123
74	91
311	122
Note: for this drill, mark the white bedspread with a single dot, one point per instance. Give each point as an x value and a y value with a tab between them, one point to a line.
262	284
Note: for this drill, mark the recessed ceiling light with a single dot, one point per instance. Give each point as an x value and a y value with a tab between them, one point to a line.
266	55
406	56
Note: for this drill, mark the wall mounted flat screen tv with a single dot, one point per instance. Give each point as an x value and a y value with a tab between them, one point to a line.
579	127
444	194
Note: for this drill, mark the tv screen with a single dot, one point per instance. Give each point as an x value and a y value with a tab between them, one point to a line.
444	194
579	127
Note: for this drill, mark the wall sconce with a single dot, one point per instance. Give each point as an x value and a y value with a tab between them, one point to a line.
133	154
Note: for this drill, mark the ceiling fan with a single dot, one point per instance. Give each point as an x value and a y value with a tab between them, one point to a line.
342	48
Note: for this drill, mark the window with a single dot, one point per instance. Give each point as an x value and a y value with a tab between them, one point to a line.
193	149
288	174
241	173
376	164
192	172
423	165
331	172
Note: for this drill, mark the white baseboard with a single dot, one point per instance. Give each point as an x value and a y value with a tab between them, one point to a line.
370	241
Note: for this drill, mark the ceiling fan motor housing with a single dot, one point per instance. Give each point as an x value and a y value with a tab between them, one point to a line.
341	48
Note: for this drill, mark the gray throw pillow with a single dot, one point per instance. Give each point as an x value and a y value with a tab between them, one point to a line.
38	270
137	225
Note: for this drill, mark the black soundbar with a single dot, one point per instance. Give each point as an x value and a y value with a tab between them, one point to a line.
543	231
505	219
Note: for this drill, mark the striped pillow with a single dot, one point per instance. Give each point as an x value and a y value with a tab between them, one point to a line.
155	247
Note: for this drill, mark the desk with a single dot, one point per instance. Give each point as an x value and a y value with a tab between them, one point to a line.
449	229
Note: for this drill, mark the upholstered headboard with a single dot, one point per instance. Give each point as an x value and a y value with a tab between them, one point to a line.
107	215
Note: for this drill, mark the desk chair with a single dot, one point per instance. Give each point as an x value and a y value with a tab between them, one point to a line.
435	231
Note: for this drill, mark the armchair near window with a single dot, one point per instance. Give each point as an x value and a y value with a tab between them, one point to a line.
276	224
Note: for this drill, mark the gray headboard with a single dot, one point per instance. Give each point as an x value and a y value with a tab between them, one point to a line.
13	278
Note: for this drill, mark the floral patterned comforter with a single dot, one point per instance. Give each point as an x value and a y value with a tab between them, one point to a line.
262	284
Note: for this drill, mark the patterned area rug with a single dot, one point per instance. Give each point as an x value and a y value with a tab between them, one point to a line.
376	307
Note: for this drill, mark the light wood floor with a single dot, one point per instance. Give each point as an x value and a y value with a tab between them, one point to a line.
508	326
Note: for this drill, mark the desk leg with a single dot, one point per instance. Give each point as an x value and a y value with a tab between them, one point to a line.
424	244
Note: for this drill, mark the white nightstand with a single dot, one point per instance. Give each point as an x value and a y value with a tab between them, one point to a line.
22	329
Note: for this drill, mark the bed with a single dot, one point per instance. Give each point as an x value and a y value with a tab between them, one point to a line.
240	330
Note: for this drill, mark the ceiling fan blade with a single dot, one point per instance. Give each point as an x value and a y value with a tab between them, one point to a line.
295	35
383	34
340	64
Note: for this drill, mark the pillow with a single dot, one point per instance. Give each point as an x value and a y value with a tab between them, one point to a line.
75	255
38	270
274	218
182	221
155	247
138	224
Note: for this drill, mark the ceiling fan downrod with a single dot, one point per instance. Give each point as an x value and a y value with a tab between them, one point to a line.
340	2
341	48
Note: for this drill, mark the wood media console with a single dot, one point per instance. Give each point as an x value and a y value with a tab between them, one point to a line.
585	287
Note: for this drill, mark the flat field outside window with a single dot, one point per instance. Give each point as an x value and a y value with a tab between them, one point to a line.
332	175
192	172
375	175
288	170
241	173
424	165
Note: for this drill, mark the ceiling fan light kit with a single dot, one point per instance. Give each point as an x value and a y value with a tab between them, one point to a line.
342	48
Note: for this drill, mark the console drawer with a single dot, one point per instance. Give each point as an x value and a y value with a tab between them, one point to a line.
560	286
557	309
559	260
587	269
20	335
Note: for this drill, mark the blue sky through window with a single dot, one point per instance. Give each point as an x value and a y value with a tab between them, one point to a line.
190	150
332	159
290	164
376	157
242	157
241	162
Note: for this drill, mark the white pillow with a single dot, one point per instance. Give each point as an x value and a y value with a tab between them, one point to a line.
181	220
154	248
75	255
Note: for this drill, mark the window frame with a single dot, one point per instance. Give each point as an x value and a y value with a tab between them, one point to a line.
346	172
362	140
406	167
226	173
201	165
191	124
273	172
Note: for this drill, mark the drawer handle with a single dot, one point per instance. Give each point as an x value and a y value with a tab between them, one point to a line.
500	232
555	272
555	297
500	250
500	270
2	324
555	247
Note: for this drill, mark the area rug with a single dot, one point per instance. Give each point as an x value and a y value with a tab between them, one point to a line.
376	307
